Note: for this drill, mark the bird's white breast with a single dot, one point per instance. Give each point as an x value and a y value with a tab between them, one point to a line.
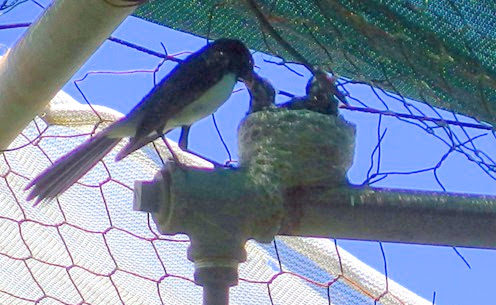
206	104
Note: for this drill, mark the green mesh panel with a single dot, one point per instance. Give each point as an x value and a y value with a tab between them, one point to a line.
438	51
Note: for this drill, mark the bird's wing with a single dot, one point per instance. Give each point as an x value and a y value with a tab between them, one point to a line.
135	144
186	83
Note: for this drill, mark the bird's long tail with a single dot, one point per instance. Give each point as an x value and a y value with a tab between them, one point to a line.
69	169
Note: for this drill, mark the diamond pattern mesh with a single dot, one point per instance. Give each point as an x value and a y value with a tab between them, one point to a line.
89	247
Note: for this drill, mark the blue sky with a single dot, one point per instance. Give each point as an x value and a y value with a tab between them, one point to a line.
422	269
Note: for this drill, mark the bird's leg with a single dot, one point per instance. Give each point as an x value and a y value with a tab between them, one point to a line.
183	144
158	153
174	156
183	138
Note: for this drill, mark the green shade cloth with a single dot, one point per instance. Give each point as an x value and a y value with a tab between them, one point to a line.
442	52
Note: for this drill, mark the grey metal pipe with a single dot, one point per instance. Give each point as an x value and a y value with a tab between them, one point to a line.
404	216
216	295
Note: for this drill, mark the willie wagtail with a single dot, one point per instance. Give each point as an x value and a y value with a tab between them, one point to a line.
193	90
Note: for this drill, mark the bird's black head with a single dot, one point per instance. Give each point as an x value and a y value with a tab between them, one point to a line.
320	84
239	58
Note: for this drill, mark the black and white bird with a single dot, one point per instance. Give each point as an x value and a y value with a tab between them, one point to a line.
321	94
193	90
262	94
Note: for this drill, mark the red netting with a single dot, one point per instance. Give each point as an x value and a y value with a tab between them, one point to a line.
90	247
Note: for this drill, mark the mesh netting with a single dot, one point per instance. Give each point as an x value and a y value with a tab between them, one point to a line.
441	52
89	247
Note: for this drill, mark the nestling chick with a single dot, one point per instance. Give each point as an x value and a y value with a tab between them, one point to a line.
321	95
262	94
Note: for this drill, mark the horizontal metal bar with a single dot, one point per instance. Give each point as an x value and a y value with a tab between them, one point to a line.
404	216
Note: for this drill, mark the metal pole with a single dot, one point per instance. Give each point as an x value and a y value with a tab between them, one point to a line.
405	216
50	52
216	295
216	280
